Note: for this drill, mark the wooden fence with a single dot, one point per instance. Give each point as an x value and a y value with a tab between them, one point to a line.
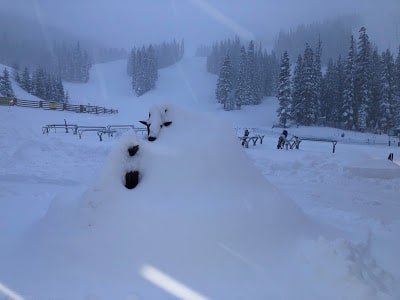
62	106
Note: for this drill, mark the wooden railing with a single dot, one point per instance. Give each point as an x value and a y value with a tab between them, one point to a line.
52	105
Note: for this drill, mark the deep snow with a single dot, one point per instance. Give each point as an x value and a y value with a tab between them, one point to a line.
227	222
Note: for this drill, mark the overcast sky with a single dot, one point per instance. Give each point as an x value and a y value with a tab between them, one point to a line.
123	23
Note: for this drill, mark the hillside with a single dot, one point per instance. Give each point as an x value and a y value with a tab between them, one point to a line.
223	221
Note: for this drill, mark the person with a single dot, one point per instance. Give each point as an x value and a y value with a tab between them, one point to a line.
282	139
246	134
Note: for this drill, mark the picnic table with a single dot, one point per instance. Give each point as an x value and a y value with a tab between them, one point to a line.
254	138
46	129
295	141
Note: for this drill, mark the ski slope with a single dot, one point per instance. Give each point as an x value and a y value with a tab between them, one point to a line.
209	219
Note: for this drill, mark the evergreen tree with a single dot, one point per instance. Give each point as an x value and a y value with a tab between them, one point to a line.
151	67
26	81
284	93
328	108
397	90
339	92
318	77
296	108
15	75
242	93
348	107
308	92
38	83
387	107
5	84
363	79
374	111
224	84
252	81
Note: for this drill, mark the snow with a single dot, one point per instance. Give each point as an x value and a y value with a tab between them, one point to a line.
208	218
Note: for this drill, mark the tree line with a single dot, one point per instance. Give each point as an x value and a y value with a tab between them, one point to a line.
40	83
144	62
360	92
72	63
245	75
335	32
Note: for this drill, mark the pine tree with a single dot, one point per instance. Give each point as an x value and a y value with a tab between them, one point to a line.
253	97
387	107
151	67
318	77
224	84
348	106
374	111
329	92
397	90
339	91
5	84
363	79
38	83
242	92
15	74
309	92
296	109
284	93
26	81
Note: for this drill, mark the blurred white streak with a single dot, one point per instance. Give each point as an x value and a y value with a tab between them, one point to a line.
169	284
224	20
9	293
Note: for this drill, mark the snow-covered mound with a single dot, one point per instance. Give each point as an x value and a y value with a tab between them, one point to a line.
202	214
374	168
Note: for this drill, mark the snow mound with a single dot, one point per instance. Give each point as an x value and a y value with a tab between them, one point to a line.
202	214
374	168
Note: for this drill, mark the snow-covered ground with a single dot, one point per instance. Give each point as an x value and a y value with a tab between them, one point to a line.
209	219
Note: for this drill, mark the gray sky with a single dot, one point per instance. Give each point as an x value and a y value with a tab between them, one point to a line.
123	23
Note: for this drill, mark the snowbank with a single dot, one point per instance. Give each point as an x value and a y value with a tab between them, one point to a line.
203	214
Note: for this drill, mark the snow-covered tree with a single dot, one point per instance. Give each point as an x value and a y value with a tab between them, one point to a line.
5	84
26	80
374	111
309	89
284	93
252	79
243	89
318	76
348	106
387	107
296	109
224	83
363	79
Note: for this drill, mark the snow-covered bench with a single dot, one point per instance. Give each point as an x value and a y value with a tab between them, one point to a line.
47	128
295	141
254	138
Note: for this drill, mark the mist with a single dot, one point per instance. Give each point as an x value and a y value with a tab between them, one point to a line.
124	23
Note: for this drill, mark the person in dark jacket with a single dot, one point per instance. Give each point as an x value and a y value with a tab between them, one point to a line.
282	139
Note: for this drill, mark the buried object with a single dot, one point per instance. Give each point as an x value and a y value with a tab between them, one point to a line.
157	119
131	179
133	150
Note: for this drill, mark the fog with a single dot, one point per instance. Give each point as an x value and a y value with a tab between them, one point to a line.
123	23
